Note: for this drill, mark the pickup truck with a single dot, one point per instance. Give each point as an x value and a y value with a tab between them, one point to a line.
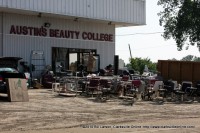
8	69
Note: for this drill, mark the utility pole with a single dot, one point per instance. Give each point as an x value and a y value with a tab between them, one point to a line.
130	51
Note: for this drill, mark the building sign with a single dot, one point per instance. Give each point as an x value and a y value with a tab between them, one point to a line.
68	34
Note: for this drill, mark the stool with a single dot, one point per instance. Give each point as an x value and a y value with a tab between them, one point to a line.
55	86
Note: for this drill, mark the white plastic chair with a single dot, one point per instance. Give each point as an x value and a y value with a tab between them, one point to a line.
157	86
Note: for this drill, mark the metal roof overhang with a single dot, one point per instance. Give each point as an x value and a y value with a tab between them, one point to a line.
43	14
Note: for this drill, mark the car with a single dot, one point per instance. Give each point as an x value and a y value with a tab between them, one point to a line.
7	72
120	72
148	75
8	69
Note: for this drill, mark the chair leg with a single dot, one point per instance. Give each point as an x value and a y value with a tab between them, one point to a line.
92	92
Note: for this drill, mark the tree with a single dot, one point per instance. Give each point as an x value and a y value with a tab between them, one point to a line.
138	64
188	58
181	21
197	59
174	59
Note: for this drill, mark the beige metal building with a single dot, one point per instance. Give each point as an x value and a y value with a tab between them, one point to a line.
65	32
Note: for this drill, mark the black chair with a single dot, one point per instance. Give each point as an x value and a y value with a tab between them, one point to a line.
198	88
194	92
185	89
105	88
169	86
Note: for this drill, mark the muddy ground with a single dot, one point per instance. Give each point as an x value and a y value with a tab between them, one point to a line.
46	112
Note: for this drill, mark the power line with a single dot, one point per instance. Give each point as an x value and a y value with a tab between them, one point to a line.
158	46
140	34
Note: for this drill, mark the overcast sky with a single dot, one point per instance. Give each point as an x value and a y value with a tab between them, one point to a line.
151	46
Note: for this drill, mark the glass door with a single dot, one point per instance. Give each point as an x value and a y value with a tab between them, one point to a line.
73	61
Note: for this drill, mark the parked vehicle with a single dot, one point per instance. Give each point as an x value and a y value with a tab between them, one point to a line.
148	75
126	71
8	69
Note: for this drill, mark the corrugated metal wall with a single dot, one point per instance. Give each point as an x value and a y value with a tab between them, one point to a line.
128	11
21	45
1	35
180	70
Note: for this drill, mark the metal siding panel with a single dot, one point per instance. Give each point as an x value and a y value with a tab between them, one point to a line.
88	8
85	7
59	10
144	13
92	8
19	5
95	9
22	4
39	5
122	11
112	13
55	6
135	11
99	9
119	10
8	3
52	6
108	6
139	11
5	2
102	9
31	5
27	5
79	8
132	11
63	7
1	37
71	6
82	8
129	11
48	5
74	10
110	10
116	9
105	9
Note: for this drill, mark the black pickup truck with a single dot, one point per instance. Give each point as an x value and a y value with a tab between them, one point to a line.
8	69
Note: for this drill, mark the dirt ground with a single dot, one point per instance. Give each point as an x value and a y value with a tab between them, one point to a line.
49	113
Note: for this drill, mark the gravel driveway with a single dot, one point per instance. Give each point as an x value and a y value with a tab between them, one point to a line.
47	112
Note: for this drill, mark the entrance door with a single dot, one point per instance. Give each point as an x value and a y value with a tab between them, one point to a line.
72	58
60	59
73	61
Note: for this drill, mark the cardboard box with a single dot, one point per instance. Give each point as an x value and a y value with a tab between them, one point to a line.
17	90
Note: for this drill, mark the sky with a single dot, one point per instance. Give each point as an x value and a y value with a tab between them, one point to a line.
152	46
